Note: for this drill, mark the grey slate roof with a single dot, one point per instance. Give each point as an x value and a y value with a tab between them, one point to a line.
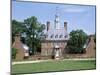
56	34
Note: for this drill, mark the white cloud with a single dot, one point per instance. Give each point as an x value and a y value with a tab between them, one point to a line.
74	8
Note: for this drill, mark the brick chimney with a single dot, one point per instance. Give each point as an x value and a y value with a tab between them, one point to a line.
48	25
19	46
65	25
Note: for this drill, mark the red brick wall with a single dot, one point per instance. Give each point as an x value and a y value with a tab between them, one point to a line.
20	50
47	48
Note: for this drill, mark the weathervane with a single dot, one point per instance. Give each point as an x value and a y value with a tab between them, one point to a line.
57	10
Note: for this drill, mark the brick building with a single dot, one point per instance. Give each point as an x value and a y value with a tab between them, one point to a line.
55	38
54	42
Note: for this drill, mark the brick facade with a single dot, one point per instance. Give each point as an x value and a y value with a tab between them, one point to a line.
47	47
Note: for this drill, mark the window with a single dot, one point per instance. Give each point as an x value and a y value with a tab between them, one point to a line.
60	36
46	36
56	36
52	36
56	43
65	36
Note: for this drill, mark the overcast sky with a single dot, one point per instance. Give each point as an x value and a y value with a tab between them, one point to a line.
77	16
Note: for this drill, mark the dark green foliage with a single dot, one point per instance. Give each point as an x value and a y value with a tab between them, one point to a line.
17	28
74	49
33	31
14	51
77	40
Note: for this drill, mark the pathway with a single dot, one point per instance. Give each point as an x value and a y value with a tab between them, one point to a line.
37	61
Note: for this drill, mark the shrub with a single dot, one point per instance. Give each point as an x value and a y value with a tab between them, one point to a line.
73	49
14	51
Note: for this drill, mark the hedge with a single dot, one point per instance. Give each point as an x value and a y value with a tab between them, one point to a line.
14	51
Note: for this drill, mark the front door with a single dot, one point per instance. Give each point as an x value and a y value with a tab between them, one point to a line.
57	53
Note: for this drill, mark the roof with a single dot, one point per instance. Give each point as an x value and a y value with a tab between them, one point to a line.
56	34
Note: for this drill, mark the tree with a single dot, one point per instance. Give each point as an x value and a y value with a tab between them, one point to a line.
33	31
76	41
17	28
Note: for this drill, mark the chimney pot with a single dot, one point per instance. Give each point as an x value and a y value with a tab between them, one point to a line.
48	25
65	25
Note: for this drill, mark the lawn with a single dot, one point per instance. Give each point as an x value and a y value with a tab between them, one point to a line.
60	65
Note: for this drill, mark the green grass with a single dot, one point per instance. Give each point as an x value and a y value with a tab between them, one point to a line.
54	66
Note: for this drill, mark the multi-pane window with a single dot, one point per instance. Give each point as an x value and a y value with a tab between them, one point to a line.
46	36
52	36
60	36
56	36
65	36
56	43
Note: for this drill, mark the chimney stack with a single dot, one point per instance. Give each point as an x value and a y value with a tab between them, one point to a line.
65	25
48	25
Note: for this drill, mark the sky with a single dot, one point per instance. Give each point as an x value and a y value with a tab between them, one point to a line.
77	16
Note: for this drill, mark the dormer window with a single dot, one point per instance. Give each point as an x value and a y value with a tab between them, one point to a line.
65	36
56	36
60	36
52	36
46	36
